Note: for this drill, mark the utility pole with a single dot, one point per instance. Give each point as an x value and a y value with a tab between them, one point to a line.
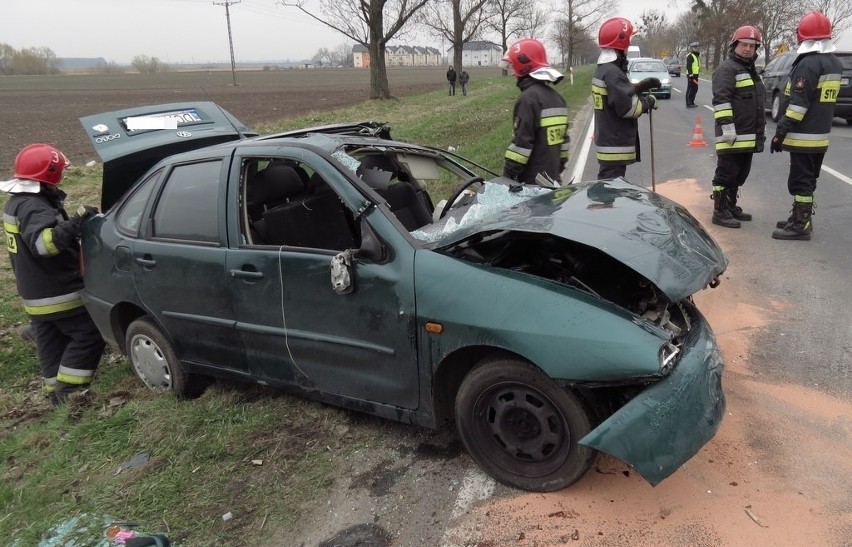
227	4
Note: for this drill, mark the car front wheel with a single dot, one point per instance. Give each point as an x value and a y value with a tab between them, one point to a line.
154	361
521	427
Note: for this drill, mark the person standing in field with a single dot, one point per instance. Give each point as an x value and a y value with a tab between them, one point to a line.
451	81
464	78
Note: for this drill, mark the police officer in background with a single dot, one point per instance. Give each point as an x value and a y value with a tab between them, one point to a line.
618	103
693	68
804	130
540	118
738	96
44	251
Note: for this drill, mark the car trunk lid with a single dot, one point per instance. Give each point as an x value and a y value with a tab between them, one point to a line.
132	140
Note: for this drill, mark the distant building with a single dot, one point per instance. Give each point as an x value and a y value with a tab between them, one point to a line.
398	56
479	53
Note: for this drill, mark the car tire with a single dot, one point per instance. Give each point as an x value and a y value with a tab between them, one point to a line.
154	361
667	96
775	112
521	427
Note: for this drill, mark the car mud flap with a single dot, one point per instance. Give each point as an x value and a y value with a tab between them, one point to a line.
665	425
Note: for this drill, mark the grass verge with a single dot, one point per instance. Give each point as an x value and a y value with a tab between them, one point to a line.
123	453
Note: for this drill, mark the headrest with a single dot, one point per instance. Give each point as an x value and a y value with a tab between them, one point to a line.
276	182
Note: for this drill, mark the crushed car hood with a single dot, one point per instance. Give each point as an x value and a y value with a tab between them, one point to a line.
654	236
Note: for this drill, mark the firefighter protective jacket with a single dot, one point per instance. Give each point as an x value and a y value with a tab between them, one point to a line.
738	98
540	141
812	90
617	108
44	253
693	64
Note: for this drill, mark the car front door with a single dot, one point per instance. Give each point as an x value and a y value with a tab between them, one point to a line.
179	267
299	330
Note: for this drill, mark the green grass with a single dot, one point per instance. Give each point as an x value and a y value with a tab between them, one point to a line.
246	450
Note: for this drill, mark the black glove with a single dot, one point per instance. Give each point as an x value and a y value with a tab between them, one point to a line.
761	139
647	85
649	103
85	211
775	145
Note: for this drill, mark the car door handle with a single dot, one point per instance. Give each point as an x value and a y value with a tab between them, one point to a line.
246	274
146	262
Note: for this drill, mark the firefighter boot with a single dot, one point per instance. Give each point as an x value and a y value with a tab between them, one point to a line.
721	214
798	228
736	211
782	223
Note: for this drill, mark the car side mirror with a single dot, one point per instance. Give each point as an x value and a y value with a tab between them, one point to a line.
342	275
371	247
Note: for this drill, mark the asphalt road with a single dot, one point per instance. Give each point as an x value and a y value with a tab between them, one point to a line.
812	344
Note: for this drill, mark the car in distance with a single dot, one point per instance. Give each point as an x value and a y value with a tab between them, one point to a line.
776	78
674	66
644	67
548	322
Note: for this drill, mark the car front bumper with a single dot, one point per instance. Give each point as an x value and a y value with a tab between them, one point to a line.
667	423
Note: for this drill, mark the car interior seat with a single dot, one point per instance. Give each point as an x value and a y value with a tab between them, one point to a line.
406	205
272	188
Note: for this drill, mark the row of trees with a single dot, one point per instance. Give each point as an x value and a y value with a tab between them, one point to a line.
570	24
339	56
38	60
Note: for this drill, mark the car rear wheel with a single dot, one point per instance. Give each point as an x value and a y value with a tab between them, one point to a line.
521	427
154	361
775	112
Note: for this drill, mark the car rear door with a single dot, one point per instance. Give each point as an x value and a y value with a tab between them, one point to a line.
179	266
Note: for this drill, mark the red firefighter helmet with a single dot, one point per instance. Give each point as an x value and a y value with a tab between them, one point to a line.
813	26
525	56
615	33
41	162
747	34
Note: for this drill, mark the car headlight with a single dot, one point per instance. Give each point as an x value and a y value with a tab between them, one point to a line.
665	80
634	80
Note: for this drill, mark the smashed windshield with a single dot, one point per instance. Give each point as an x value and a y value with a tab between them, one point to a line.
491	201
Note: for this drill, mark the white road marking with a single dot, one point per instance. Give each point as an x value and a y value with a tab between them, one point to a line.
837	174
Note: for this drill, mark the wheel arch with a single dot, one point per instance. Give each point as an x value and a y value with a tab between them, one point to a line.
450	373
121	317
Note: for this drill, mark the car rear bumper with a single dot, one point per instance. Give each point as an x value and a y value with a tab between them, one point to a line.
666	424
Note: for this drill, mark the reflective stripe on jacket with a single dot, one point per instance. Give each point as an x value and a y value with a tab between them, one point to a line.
617	108
738	98
540	141
812	91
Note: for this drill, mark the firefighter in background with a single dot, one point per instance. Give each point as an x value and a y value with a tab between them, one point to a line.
812	89
738	97
45	255
618	103
540	119
693	68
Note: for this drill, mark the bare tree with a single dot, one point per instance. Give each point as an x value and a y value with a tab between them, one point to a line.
364	22
652	28
322	57
511	19
578	21
342	55
717	20
459	21
777	22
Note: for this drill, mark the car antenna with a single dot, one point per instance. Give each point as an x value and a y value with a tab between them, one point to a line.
224	114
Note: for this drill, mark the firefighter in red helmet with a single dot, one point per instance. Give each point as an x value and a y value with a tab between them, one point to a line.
805	128
42	240
738	97
540	118
618	103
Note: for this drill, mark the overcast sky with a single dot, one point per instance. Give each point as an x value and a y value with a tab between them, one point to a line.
196	31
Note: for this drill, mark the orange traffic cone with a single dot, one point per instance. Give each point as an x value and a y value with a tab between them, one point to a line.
697	134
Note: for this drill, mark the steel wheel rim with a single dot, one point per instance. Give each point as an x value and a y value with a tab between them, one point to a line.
521	428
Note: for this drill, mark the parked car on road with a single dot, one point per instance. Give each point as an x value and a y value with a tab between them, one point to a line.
644	67
548	322
776	77
674	66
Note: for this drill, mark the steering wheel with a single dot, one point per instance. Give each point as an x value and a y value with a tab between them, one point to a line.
452	199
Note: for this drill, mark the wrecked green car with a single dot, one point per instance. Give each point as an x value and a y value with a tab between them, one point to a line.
548	322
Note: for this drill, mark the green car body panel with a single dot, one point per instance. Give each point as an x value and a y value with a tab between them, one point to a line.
419	317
